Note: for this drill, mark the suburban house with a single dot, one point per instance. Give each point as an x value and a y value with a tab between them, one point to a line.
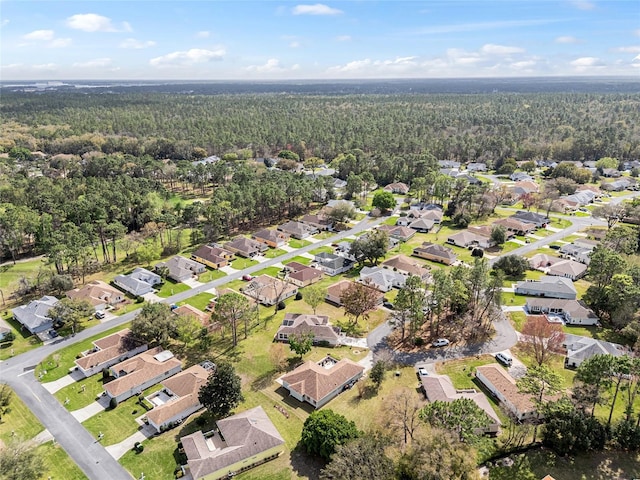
436	253
440	388
574	311
400	233
181	268
382	279
138	373
546	286
531	217
317	383
187	310
397	187
108	351
576	252
271	238
515	226
138	282
240	442
302	275
332	264
449	164
520	177
586	243
476	167
404	265
422	225
245	247
617	185
34	316
434	215
298	230
318	325
503	387
559	267
320	221
97	293
269	290
178	398
581	348
524	187
467	238
213	256
334	293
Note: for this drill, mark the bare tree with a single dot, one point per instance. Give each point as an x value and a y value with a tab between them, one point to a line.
402	413
542	338
357	300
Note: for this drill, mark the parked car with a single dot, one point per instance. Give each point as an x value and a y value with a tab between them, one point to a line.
53	333
441	342
100	314
247	278
422	372
504	359
554	247
388	305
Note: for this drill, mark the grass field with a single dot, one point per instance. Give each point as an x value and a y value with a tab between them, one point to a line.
323	249
324	235
242	263
58	463
79	398
295	243
19	420
556	362
24	340
211	275
518	319
271	271
274	252
302	260
169	288
200	301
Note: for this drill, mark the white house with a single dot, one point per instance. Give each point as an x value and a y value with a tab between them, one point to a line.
503	387
382	279
138	282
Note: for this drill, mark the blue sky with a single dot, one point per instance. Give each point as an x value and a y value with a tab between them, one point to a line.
268	40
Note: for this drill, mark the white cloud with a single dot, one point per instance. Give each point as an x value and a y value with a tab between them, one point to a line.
272	66
294	44
583	4
132	43
566	39
203	34
45	35
45	66
368	67
4	22
636	62
189	57
60	43
126	27
316	9
492	49
628	49
95	63
92	22
477	26
584	64
343	38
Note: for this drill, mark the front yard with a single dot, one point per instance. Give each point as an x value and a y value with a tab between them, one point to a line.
169	288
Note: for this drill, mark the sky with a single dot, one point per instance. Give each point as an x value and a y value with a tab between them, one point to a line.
273	40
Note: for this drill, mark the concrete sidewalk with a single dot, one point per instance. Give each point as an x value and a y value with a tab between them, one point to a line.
53	387
89	411
117	450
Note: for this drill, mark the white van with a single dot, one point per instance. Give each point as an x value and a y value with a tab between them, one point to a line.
504	359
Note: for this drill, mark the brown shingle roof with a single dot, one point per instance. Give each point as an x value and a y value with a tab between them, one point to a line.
110	347
402	263
306	274
189	311
316	382
296	323
506	385
96	293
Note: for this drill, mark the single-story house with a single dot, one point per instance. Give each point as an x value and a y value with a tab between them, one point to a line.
318	383
422	225
99	294
34	316
213	256
520	177
531	217
138	373
413	216
271	238
404	265
333	264
397	187
382	279
449	164
617	185
476	167
400	233
503	386
436	253
546	286
467	238
611	172
586	243
298	230
302	275
240	442
181	268
245	247
320	221
334	293
269	290
187	310
318	325
108	351
515	226
574	312
576	252
178	398
138	282
559	267
581	348
440	388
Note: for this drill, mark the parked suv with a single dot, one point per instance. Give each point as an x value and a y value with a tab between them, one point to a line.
100	314
504	359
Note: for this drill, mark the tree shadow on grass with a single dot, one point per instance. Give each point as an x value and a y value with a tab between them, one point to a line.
264	380
305	465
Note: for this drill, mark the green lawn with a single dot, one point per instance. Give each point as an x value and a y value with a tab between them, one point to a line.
557	222
20	420
242	263
324	235
157	461
461	371
58	464
556	362
200	301
169	288
11	274
24	340
118	423
302	260
273	253
67	356
518	319
511	299
295	243
271	271
127	307
79	398
211	275
323	249
390	221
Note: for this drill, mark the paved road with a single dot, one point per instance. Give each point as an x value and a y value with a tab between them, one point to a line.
90	456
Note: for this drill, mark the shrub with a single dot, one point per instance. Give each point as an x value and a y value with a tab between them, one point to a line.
113	403
281	306
105	374
418	341
299	295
